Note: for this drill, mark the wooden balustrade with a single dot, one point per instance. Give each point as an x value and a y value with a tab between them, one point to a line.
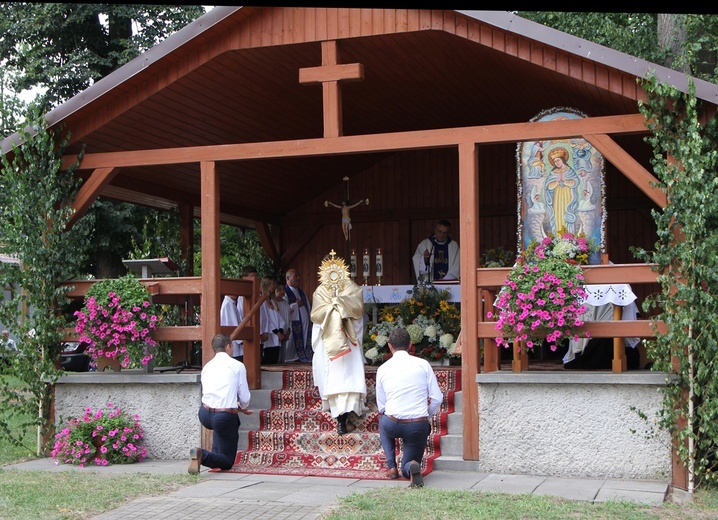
490	280
187	291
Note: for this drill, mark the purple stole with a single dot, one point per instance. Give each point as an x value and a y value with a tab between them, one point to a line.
441	257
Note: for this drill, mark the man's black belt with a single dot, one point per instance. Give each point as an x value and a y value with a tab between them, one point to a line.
415	419
224	410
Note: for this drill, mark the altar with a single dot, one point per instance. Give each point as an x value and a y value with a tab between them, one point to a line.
397	293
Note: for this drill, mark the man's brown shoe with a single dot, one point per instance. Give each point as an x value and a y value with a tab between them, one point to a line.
195	461
417	480
393	473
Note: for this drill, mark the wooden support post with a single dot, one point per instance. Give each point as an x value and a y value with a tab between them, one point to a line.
469	238
210	303
492	358
619	350
521	358
210	257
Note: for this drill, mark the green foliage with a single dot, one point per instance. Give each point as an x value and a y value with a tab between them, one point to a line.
239	247
632	33
108	436
432	321
128	287
685	162
637	34
498	257
64	48
35	207
117	320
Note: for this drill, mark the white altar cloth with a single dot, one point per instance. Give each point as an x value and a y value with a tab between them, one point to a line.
397	293
617	294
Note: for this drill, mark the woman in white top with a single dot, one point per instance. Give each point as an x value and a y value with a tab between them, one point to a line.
271	324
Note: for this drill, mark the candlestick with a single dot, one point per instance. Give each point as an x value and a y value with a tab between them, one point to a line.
379	265
353	265
365	266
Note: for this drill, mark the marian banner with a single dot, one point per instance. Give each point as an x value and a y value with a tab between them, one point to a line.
561	187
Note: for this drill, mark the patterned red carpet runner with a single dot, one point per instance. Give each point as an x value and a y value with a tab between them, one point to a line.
297	438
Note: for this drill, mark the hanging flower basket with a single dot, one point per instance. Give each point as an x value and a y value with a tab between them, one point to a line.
116	323
542	298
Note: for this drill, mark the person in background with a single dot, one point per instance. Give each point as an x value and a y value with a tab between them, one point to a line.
7	349
248	271
437	257
229	317
286	355
7	342
225	393
300	309
407	395
271	325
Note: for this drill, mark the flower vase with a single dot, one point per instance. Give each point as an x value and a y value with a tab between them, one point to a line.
108	364
444	362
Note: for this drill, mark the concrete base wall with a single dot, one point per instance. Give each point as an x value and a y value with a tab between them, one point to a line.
572	424
166	403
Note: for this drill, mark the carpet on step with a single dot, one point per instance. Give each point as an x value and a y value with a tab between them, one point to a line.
297	438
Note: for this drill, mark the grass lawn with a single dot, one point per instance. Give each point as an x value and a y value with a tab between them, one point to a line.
437	504
87	493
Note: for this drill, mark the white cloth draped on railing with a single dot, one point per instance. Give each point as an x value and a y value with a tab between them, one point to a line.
397	293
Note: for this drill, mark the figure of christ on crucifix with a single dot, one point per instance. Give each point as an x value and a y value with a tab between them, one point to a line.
345	206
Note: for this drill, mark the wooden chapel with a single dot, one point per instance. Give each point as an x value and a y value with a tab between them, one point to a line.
254	116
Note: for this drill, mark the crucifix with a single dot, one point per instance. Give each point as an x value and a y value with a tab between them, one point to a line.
345	206
329	75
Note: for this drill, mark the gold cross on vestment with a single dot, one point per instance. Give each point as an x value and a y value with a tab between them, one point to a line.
329	75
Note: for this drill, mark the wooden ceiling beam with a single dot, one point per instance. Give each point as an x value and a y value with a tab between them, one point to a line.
422	139
631	168
265	238
90	190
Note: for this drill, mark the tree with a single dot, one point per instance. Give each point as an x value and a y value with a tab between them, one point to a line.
685	162
35	207
687	42
64	48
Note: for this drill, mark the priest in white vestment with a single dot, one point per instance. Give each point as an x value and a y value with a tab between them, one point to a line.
337	334
437	257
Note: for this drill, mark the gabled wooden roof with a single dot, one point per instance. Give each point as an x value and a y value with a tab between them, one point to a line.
232	76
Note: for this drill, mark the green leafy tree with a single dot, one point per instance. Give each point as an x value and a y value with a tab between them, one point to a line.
61	49
239	247
686	42
685	162
35	207
64	48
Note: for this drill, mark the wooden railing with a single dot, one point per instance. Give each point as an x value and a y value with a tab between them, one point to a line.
186	292
490	280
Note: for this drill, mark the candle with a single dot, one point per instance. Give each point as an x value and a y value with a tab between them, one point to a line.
353	266
366	263
379	263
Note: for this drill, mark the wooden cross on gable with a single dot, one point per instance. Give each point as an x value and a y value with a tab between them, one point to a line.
329	75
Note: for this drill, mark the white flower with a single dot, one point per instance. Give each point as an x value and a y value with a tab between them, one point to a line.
446	340
31	333
372	354
381	340
416	334
450	349
564	249
430	332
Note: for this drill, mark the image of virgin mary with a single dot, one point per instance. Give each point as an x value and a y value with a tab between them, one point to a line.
561	191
